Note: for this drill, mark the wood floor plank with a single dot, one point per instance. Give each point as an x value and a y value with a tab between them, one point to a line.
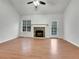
27	48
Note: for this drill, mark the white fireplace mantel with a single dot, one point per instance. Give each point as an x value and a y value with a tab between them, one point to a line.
40	25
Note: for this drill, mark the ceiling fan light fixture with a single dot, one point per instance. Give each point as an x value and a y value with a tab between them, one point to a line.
36	3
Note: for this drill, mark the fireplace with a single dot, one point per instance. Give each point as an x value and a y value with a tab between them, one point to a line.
39	31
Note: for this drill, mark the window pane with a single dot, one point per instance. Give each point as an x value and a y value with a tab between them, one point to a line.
54	28
28	25
24	26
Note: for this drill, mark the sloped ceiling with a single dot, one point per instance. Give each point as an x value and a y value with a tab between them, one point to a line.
51	7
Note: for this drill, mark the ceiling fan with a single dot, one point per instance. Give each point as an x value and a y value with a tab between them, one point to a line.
36	3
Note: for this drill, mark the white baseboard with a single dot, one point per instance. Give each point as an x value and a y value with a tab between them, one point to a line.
7	40
73	43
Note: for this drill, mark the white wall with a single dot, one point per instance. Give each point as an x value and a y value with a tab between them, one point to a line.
71	22
9	21
44	19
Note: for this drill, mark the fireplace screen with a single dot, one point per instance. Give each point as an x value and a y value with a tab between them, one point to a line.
39	31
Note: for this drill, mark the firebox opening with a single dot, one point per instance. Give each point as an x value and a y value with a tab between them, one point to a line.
39	32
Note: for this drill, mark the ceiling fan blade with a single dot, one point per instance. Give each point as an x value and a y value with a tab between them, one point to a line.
41	2
30	2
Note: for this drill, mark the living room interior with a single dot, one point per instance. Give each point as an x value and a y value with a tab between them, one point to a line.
39	29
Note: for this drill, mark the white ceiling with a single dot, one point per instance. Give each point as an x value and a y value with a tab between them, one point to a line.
52	6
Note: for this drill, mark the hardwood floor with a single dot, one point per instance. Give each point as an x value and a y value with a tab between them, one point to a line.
26	48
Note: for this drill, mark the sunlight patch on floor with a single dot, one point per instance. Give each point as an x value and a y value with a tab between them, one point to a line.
54	45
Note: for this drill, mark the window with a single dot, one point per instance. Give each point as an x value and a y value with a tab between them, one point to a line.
26	25
54	28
